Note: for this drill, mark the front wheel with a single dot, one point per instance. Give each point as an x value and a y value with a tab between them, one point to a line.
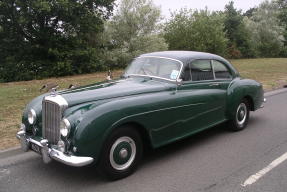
121	153
240	120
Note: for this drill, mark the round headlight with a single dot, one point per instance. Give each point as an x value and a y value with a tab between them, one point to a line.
22	127
65	127
32	116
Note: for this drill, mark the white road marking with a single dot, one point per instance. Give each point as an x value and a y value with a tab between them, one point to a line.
253	178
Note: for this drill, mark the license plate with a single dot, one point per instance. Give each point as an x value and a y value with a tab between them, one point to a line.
36	148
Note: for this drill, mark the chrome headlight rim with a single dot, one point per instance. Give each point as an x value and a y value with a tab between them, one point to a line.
32	116
22	127
65	127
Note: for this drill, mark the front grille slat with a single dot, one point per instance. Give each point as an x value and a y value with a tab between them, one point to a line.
51	121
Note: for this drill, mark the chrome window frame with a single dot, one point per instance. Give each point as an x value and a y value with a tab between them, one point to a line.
211	66
228	69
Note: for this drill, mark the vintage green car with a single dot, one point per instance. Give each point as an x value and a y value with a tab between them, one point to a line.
161	98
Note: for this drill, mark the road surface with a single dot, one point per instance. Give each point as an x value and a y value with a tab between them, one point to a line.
213	161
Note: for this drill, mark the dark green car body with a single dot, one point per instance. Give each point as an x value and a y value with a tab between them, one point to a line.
161	111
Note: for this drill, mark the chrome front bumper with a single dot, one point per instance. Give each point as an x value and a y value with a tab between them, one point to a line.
49	153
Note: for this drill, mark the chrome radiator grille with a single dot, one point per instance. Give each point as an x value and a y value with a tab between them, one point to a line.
51	117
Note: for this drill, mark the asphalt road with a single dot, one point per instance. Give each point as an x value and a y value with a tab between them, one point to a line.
214	161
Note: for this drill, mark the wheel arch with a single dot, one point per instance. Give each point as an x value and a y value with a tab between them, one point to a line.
250	102
145	136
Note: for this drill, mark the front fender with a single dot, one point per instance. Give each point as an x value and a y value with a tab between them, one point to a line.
97	123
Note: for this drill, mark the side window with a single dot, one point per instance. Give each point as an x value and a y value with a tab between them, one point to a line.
186	75
221	71
201	70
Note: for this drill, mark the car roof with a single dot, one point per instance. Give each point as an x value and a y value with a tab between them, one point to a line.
185	56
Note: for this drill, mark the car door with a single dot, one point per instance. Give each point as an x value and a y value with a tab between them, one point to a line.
195	105
201	86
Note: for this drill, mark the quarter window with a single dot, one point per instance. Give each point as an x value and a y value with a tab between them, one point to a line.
221	71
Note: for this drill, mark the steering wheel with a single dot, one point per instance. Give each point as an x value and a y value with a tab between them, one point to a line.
147	71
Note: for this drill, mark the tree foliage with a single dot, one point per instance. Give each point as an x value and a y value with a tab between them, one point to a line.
239	37
197	31
283	16
133	30
267	34
283	22
40	38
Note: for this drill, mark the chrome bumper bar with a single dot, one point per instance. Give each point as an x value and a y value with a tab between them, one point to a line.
52	153
264	101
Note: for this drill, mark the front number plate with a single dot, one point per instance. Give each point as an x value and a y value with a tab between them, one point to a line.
36	148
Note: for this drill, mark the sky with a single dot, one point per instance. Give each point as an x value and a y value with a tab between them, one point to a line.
214	5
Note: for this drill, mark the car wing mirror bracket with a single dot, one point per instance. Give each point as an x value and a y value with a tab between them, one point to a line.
179	82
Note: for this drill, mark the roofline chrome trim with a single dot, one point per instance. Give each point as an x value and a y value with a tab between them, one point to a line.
157	76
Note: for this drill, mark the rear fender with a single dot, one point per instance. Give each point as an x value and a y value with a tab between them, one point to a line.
239	89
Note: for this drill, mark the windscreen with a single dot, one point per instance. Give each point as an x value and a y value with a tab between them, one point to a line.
155	67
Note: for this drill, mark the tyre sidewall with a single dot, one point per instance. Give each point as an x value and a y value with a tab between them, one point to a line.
105	166
233	124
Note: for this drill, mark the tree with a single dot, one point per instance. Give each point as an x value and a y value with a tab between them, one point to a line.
239	37
283	21
283	16
40	38
197	31
267	34
250	12
133	30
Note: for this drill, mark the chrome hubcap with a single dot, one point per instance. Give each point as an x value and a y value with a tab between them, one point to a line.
122	153
241	114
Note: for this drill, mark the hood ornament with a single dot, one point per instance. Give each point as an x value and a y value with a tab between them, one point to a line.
54	92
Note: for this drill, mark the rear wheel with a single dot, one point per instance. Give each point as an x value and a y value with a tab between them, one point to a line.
121	153
241	118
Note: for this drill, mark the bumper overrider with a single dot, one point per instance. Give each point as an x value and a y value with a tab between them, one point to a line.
264	101
49	153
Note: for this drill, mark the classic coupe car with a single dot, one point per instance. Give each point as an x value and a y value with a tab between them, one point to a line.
162	97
